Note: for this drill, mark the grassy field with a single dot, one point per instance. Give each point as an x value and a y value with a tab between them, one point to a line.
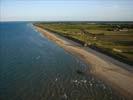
113	39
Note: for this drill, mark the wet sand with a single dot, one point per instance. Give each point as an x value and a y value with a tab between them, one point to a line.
107	70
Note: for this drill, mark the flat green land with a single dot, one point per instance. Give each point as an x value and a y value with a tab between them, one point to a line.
113	39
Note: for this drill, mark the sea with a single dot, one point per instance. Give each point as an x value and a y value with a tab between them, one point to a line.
33	67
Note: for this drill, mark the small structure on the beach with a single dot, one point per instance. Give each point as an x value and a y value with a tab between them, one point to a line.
85	45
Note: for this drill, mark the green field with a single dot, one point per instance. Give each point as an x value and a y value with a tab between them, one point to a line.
115	40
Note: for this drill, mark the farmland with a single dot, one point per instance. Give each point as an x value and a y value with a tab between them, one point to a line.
113	39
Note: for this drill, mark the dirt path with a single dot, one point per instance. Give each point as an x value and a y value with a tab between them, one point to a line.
114	75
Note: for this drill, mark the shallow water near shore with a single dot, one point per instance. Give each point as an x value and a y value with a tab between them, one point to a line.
35	68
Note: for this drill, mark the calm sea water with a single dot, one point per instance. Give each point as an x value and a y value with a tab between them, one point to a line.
34	68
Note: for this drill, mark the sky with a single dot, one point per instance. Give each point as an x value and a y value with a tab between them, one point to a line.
66	10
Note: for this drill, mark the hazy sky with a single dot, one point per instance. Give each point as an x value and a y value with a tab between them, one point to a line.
69	10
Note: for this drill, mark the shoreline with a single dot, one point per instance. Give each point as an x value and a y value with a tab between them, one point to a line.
111	73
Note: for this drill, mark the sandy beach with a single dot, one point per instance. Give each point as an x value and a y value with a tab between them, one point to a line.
109	71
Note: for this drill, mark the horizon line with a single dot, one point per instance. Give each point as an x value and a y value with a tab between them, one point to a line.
68	21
